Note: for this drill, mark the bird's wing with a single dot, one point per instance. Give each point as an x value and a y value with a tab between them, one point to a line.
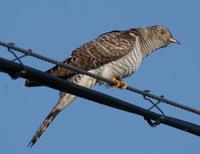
106	48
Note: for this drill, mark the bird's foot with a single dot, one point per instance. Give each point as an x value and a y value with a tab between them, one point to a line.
119	83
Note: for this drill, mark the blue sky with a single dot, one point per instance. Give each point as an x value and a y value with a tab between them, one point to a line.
54	29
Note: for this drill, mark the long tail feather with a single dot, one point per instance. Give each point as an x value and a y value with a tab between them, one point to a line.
64	100
43	127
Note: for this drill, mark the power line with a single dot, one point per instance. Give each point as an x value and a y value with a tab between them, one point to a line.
145	94
16	70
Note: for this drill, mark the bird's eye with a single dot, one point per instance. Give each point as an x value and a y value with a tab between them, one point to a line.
162	31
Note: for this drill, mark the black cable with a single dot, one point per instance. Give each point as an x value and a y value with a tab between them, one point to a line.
63	85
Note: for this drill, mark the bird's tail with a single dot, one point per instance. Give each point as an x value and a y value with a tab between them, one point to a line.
64	100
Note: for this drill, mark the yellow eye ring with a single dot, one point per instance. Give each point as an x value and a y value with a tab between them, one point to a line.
162	31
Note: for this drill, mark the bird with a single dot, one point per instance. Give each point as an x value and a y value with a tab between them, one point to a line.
113	55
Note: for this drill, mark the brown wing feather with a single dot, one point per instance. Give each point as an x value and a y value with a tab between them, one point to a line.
106	48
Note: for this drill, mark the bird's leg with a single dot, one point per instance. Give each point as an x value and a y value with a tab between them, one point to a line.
119	83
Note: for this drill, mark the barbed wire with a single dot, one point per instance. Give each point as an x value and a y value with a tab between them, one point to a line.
147	95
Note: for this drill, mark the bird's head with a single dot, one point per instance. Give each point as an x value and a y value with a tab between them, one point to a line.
155	37
161	35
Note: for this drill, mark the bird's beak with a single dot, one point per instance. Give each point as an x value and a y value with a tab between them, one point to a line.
173	40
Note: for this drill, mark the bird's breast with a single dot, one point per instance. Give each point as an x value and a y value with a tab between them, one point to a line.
124	66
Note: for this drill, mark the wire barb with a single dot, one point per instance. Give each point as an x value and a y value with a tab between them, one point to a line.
155	123
15	75
20	57
158	102
154	105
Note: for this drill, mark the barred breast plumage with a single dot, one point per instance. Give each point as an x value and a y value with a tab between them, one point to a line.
124	66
